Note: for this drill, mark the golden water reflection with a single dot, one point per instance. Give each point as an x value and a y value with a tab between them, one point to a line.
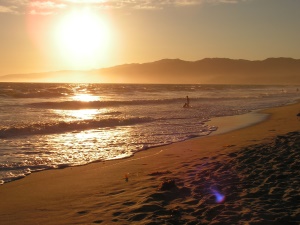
77	148
81	114
88	140
85	97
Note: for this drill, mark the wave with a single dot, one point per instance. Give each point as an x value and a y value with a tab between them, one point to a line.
33	92
74	105
62	127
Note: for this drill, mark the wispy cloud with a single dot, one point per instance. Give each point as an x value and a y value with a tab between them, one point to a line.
228	1
188	2
46	7
5	9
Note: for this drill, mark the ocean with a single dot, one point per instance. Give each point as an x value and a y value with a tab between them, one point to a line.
47	126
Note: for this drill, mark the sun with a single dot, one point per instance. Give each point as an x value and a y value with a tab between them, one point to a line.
82	38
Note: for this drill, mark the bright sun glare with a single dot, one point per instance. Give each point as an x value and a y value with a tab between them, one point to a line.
85	97
82	37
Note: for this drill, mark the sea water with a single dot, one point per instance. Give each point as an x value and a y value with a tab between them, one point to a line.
44	126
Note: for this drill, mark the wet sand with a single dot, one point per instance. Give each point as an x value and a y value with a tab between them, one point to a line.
246	176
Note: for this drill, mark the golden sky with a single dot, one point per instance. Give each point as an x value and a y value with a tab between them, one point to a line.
51	35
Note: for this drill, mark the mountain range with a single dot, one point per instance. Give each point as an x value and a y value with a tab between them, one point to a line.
281	71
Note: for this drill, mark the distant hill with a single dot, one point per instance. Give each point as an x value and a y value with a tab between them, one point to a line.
57	77
206	71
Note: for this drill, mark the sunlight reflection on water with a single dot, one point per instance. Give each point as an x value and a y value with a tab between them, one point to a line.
83	147
82	114
85	97
55	125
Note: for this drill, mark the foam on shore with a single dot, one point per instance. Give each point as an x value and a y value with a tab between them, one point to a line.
230	123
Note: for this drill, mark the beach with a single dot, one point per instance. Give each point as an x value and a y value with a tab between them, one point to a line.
248	175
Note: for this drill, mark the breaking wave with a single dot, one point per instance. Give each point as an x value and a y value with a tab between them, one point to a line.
73	105
62	127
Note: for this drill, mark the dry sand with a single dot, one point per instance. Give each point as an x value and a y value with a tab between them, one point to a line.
247	176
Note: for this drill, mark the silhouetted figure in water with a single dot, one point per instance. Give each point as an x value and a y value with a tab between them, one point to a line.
187	104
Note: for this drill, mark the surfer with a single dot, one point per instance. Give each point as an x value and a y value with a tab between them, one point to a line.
187	104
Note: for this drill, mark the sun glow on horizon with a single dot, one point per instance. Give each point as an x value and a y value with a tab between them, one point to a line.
82	38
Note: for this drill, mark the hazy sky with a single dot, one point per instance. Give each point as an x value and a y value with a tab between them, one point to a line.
38	36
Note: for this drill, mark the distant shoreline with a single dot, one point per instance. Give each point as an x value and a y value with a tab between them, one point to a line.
271	71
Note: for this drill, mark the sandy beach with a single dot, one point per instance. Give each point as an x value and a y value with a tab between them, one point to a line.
250	175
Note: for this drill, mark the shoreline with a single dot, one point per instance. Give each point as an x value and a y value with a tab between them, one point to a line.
227	124
124	190
224	124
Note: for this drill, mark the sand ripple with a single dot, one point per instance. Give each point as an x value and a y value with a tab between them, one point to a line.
256	185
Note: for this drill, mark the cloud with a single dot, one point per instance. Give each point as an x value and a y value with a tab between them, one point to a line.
188	2
4	9
227	1
89	1
46	7
13	6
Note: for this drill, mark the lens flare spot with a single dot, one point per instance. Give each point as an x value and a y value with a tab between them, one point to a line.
218	196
